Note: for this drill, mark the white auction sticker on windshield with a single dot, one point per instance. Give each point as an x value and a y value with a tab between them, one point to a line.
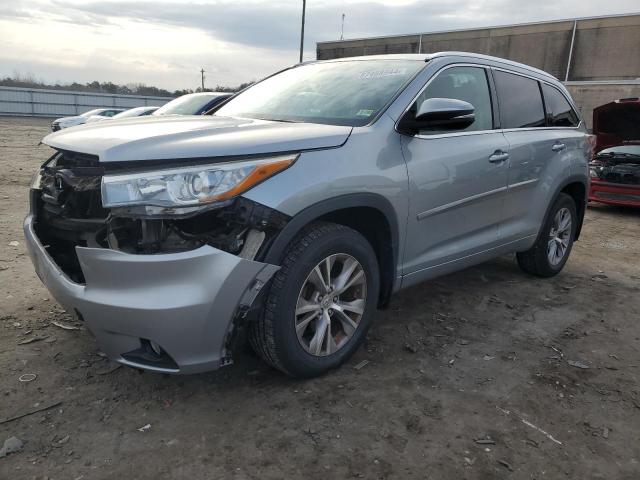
386	72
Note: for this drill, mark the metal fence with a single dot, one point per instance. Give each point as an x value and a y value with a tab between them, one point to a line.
35	102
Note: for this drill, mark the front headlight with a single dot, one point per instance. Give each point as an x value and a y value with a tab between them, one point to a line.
190	186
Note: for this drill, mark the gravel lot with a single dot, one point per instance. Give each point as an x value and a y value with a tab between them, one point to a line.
471	376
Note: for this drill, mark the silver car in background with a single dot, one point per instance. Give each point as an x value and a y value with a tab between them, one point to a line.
75	120
298	207
130	113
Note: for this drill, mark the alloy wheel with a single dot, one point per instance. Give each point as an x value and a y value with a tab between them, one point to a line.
559	236
330	304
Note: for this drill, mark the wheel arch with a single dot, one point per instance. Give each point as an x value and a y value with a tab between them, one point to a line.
370	214
577	188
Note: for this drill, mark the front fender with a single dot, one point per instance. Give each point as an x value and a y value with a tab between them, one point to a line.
273	254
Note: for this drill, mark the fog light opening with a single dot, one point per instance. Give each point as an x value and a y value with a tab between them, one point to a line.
150	354
157	349
153	346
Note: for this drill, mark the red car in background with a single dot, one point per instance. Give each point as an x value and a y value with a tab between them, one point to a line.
615	169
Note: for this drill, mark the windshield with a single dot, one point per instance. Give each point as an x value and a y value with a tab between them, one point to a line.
185	105
335	93
621	149
92	112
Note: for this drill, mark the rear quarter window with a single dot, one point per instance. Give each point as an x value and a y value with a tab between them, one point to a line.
559	111
520	101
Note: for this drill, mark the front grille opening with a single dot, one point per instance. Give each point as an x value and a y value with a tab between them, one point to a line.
60	237
66	159
68	209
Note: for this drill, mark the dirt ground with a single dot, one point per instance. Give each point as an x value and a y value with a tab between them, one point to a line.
484	374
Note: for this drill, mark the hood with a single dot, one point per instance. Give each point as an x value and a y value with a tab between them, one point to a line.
617	123
193	136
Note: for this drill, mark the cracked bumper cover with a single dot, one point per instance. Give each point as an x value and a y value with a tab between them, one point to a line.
185	302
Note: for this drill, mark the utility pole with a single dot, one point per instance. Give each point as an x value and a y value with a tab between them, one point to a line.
342	29
202	76
304	8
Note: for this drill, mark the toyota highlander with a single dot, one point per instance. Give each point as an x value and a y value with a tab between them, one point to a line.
294	211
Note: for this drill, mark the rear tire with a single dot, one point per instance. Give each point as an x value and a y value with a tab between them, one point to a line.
551	251
325	268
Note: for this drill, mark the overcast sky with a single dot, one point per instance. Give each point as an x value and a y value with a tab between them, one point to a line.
166	42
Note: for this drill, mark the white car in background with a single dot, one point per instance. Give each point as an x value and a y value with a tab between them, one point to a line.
132	112
66	122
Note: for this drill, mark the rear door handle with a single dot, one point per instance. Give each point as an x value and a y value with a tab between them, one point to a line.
557	147
499	156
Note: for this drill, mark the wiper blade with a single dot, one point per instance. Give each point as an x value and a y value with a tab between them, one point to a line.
283	120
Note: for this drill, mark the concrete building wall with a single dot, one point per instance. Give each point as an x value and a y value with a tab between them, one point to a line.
588	95
606	48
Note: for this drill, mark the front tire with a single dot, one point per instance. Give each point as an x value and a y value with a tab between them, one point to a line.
551	251
321	302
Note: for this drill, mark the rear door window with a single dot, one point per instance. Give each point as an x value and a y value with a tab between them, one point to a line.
559	111
520	101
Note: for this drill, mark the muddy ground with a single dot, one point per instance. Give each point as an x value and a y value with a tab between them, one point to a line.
472	376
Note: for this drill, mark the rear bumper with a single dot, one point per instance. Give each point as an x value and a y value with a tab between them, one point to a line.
184	302
614	193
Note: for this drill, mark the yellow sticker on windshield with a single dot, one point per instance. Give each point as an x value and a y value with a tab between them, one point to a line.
364	113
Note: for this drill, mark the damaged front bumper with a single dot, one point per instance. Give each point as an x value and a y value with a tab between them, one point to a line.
171	313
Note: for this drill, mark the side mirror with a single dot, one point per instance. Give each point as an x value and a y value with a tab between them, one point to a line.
442	114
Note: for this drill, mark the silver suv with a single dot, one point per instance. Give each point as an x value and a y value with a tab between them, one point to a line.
297	208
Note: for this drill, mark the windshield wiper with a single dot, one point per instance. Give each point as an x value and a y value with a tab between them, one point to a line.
283	120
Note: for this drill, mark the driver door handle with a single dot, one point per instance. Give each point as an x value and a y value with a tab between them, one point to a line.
557	147
499	156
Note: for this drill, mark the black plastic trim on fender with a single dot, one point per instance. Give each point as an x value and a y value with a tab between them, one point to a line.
275	251
581	212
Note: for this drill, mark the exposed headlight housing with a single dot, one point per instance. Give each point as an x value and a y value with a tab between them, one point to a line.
36	180
191	186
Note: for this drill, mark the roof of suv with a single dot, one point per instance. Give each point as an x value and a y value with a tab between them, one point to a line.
429	56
